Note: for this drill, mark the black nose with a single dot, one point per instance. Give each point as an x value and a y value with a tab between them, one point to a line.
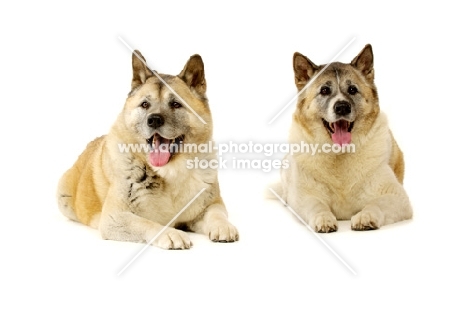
342	108
155	120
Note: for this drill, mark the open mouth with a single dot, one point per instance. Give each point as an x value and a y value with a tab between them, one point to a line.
340	131
162	149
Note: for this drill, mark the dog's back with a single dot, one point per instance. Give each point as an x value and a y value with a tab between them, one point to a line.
397	162
77	194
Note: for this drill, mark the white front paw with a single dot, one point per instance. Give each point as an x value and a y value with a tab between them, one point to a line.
366	219
222	231
324	222
173	239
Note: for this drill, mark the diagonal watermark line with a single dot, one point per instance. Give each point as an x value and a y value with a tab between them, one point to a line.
315	233
311	81
160	232
162	80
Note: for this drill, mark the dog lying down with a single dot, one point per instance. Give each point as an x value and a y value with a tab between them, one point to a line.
131	196
341	107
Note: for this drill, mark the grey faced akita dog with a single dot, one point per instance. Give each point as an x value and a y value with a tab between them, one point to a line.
340	106
130	195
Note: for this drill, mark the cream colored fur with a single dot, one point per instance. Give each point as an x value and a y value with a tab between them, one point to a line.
128	199
365	186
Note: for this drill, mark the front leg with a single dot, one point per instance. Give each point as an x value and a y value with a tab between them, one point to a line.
316	214
119	223
387	208
302	193
214	223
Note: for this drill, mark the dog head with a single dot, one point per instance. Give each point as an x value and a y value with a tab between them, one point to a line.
338	99
164	111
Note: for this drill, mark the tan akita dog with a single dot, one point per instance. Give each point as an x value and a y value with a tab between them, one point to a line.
130	195
341	107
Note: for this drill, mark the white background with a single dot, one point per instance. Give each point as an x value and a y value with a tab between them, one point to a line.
64	78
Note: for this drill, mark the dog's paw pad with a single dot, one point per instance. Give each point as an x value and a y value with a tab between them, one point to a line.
365	220
223	233
325	222
173	239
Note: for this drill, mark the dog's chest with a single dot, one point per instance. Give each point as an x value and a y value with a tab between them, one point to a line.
160	198
348	182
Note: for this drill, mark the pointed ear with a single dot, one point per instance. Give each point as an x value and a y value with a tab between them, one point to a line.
193	74
141	73
364	62
304	69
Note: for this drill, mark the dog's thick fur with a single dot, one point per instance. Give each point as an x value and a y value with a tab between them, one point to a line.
131	196
341	106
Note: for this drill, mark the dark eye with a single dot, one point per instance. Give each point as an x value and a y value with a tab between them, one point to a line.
352	90
145	105
325	90
175	105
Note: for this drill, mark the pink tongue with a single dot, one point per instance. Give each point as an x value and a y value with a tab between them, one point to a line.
160	155
341	135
